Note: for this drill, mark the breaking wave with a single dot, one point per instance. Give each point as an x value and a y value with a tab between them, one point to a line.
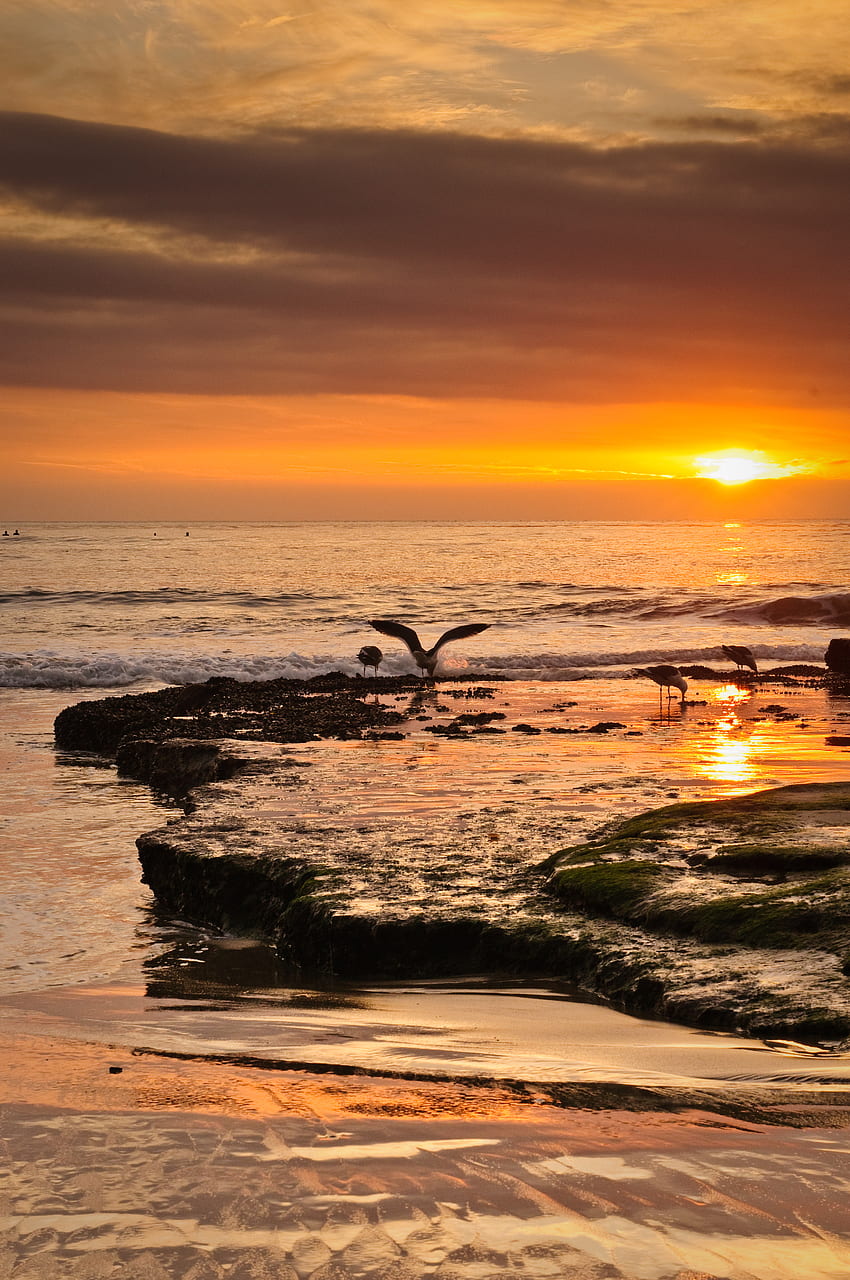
832	608
49	669
555	600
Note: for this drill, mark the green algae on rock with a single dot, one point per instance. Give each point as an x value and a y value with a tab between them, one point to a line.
769	870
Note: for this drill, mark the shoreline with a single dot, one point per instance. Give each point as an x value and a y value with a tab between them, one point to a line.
119	1163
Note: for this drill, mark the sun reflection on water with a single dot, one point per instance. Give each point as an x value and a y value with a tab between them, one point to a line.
729	752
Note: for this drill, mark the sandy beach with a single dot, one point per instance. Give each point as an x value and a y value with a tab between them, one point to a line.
117	1163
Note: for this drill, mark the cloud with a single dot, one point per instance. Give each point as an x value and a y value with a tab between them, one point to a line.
214	66
733	126
428	263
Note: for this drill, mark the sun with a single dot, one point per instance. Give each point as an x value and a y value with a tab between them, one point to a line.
739	466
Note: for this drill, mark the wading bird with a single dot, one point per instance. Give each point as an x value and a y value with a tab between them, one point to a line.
665	677
426	659
741	656
370	655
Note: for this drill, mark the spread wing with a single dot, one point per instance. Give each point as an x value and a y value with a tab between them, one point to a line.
460	633
407	634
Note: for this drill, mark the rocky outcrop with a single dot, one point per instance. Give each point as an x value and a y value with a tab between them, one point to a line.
729	914
177	765
837	657
768	871
332	705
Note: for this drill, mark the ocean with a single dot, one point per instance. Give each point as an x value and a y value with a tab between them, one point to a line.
122	606
93	610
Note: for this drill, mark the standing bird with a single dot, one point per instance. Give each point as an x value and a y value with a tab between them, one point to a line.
426	659
741	656
666	678
370	655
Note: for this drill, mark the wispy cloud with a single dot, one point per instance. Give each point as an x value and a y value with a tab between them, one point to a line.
217	65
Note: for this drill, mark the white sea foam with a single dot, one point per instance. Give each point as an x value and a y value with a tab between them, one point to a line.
51	669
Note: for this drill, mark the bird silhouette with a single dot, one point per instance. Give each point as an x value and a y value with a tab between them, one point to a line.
741	656
370	655
426	659
666	678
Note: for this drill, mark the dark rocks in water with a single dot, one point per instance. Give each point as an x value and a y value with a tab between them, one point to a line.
328	706
787	674
697	671
837	657
177	765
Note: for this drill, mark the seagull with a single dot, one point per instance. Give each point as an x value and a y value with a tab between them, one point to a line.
370	655
665	677
426	659
741	656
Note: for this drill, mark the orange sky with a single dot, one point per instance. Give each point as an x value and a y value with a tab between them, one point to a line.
513	260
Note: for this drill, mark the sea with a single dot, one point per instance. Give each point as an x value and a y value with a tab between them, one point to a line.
103	609
123	606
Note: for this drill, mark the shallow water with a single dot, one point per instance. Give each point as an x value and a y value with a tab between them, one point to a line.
235	1172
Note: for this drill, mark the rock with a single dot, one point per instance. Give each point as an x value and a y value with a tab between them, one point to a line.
723	914
177	765
774	880
329	706
837	657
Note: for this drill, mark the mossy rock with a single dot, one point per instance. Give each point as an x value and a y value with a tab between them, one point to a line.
619	888
643	871
762	859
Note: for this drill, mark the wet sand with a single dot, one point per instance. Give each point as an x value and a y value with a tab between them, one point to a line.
119	1165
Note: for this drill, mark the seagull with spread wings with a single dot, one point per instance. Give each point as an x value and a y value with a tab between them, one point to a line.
426	659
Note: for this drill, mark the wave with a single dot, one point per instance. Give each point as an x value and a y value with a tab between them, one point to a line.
833	608
637	605
48	669
510	600
157	596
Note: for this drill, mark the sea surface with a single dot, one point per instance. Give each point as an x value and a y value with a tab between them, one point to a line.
124	605
93	610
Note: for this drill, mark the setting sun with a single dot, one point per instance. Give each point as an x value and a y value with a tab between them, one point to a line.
738	466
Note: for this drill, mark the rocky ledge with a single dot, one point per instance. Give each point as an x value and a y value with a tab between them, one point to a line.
332	705
722	914
729	914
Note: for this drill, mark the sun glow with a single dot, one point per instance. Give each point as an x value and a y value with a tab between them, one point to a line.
739	466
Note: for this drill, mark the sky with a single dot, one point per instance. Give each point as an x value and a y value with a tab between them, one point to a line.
521	259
